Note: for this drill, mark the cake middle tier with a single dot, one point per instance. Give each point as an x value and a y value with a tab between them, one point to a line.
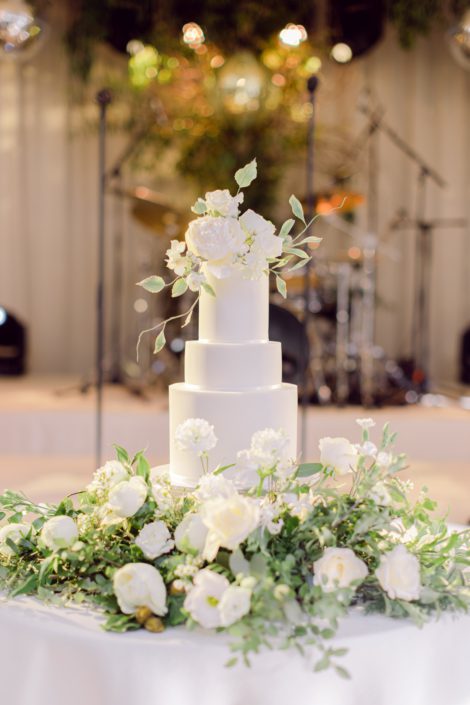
232	366
236	416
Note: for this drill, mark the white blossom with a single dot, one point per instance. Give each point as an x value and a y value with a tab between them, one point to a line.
230	521
14	533
262	231
196	436
191	534
213	602
211	486
217	240
59	532
106	477
175	260
366	423
195	280
338	568
234	604
339	454
154	540
126	498
140	585
221	202
399	574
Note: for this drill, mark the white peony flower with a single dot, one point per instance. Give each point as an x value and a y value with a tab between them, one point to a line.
175	259
126	498
59	532
218	240
338	568
262	231
211	486
221	202
195	280
399	574
203	600
234	604
191	534
154	540
13	532
140	585
106	477
338	453
230	521
365	424
196	436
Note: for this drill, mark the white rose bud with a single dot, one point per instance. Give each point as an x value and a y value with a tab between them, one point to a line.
154	540
234	604
191	534
126	498
338	568
13	532
140	585
399	574
59	532
338	453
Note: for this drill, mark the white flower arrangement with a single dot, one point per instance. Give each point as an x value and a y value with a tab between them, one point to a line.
220	242
277	563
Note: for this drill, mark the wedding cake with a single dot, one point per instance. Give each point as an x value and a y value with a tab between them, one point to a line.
232	387
233	376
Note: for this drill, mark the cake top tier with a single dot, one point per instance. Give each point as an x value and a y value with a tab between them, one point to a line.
239	311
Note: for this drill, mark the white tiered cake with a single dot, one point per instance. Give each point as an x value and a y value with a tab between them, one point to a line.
233	376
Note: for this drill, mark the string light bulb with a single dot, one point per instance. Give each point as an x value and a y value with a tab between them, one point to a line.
293	34
193	35
342	53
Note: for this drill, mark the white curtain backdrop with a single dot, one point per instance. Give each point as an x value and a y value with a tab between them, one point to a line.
48	196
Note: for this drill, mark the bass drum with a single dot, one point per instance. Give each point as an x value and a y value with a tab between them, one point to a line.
286	328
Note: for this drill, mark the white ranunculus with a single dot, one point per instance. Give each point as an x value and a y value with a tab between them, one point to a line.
211	486
338	453
221	202
175	259
140	585
59	532
106	477
13	532
399	574
191	534
126	498
230	521
234	604
218	240
262	231
202	602
338	568
196	436
195	280
366	424
154	540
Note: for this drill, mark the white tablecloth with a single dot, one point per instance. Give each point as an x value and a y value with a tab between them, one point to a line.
56	656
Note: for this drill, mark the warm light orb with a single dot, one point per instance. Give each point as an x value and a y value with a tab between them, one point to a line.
313	64
193	35
293	34
342	53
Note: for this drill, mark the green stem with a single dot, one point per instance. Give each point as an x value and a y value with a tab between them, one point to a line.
164	323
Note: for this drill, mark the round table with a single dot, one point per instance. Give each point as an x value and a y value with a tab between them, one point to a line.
61	656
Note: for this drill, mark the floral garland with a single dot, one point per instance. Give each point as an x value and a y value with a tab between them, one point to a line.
221	241
277	564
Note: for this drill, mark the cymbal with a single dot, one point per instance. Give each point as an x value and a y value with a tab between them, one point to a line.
153	211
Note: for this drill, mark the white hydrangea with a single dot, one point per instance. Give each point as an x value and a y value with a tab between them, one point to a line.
221	202
195	436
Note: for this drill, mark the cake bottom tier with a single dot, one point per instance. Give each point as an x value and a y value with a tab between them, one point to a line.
236	416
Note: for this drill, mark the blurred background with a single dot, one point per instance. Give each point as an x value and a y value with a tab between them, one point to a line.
190	92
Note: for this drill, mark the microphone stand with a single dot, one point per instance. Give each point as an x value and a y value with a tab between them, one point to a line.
103	98
312	85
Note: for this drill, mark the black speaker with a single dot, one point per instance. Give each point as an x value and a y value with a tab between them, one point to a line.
12	345
465	358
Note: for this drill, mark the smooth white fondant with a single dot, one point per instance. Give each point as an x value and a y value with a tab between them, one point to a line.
235	416
232	366
238	313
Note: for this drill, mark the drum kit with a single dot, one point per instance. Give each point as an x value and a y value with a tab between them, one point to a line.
323	351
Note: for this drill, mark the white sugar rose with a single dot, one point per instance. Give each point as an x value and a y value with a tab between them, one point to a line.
140	585
338	568
230	521
262	231
196	436
217	240
203	600
59	532
154	540
399	574
338	453
14	533
191	534
221	202
126	498
234	604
